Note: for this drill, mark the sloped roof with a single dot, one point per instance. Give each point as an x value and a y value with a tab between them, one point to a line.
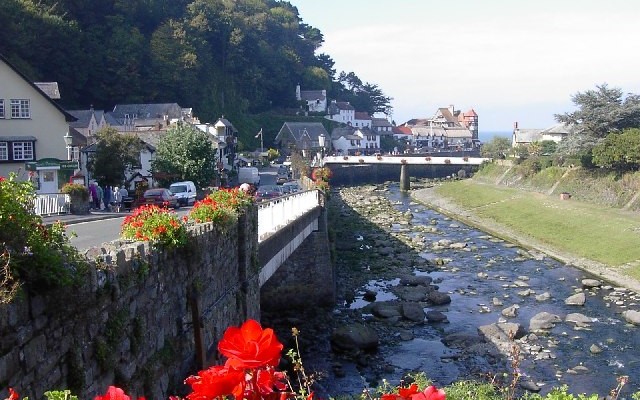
446	114
361	115
312	95
50	89
558	129
298	129
417	122
402	130
68	117
148	111
527	135
471	113
83	118
375	122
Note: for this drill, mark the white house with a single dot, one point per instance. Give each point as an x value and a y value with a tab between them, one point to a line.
145	117
382	126
32	132
355	141
555	133
224	138
361	119
316	99
88	122
342	112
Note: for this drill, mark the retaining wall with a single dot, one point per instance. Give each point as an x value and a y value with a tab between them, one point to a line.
145	319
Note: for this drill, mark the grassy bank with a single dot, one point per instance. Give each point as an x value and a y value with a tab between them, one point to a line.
607	235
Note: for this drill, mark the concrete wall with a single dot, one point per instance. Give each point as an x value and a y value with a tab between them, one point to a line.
306	279
144	320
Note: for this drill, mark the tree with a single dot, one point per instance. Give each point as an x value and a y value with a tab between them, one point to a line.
116	154
599	113
497	147
185	153
620	151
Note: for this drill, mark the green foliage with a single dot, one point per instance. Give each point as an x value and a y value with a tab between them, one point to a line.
548	147
620	151
32	254
76	190
529	166
60	395
561	393
388	144
116	153
498	147
185	154
272	154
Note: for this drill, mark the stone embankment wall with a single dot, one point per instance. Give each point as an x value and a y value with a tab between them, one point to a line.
355	174
145	319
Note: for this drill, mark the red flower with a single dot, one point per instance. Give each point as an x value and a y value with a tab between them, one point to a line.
215	382
113	393
13	395
267	379
430	393
250	346
403	393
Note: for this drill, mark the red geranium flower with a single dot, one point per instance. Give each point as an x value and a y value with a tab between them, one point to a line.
215	382
13	395
430	393
403	393
113	393
250	346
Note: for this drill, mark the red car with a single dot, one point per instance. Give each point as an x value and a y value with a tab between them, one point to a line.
160	198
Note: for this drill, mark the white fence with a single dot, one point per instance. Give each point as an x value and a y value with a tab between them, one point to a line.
50	204
277	213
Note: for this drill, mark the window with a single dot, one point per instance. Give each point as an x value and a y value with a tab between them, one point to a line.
20	109
22	151
4	151
1	108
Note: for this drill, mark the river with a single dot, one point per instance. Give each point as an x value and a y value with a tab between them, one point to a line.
488	281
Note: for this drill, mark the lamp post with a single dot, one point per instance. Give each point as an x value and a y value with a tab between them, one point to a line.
68	140
321	141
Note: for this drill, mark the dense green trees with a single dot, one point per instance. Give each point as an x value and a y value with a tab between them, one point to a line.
497	147
620	151
185	154
115	154
217	56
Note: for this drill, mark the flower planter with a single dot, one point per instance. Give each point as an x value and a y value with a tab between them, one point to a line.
78	206
427	159
361	161
345	158
447	161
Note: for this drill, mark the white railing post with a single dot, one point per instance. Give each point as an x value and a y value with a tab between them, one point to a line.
49	204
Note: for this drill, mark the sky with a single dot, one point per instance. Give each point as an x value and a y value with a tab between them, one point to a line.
510	60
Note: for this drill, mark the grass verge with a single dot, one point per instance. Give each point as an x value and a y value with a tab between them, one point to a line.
606	235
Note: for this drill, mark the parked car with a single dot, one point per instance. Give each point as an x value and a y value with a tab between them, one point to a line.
291	187
184	191
160	198
268	192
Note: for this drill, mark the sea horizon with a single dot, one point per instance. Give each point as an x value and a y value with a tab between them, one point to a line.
488	135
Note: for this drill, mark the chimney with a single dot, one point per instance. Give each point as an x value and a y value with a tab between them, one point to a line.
515	125
451	109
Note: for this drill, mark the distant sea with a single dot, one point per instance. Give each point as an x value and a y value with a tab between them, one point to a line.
487	136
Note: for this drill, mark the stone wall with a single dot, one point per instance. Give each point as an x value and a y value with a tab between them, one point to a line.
145	319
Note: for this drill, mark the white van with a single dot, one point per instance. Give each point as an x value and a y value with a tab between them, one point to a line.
185	192
248	175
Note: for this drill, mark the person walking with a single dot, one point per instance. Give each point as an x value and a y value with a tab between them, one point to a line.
108	191
124	193
94	195
100	194
117	199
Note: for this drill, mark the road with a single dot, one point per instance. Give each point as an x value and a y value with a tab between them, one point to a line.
94	233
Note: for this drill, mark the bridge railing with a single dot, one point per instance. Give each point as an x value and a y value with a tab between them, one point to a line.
50	204
277	213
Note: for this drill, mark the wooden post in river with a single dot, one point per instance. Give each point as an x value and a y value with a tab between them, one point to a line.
404	177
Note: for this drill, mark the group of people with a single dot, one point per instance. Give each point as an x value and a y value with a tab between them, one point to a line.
107	198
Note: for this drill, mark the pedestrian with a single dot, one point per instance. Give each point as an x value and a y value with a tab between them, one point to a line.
108	190
124	193
117	199
100	193
94	194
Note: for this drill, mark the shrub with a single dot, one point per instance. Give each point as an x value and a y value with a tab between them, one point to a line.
32	254
76	190
235	199
151	223
209	210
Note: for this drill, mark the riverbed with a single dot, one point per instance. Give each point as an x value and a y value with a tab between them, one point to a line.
384	238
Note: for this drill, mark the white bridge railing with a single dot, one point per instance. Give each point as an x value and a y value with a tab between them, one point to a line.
277	213
50	204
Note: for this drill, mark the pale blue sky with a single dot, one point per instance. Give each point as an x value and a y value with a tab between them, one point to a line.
510	60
